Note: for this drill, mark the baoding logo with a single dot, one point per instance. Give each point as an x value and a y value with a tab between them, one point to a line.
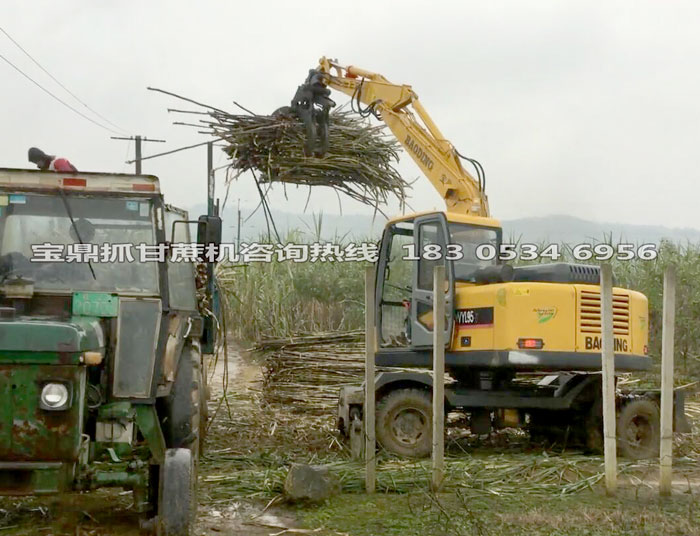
545	314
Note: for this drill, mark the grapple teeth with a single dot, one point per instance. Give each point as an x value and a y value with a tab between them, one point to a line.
312	104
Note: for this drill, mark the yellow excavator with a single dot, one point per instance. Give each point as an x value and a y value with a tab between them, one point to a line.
502	322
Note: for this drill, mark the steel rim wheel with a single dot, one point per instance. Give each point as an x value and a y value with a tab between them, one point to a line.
409	426
404	422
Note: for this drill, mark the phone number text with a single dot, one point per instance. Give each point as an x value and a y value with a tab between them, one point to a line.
532	252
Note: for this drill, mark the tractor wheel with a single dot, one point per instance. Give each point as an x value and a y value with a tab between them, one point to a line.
639	429
203	417
177	493
404	422
183	425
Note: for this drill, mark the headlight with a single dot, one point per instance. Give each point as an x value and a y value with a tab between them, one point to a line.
55	396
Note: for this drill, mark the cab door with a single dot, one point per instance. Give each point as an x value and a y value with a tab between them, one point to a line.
182	292
430	240
394	286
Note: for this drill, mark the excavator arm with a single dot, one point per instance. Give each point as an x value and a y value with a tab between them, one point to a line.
398	106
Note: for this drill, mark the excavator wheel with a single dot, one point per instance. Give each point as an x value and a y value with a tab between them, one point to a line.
404	422
594	427
639	429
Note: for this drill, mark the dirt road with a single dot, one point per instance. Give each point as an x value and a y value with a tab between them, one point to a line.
240	516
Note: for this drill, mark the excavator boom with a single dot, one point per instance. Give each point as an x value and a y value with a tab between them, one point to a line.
399	107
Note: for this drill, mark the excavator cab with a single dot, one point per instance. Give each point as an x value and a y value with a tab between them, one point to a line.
411	248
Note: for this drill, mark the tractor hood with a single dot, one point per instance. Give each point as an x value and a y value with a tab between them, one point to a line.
27	340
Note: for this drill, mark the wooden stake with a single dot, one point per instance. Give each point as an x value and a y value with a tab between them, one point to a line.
668	324
608	365
369	409
438	378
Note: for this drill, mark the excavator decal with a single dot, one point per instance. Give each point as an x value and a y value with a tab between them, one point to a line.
419	152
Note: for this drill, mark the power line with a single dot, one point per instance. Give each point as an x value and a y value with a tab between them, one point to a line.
37	84
58	82
167	152
137	148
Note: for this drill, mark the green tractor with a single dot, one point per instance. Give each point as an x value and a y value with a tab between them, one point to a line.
102	338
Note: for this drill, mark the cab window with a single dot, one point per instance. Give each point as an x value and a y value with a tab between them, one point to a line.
396	289
470	237
181	274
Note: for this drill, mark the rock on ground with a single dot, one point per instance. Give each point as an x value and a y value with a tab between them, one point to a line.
310	483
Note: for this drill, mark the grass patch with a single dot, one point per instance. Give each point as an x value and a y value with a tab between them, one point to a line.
586	514
285	298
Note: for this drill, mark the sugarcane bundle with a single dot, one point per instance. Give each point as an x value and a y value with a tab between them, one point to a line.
360	160
304	373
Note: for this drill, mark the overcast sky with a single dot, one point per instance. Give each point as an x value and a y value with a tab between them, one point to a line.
590	109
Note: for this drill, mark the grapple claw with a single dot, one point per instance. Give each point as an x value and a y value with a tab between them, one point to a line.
312	105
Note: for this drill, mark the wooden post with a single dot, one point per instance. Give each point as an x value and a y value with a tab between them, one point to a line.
438	378
369	409
608	365
668	324
137	154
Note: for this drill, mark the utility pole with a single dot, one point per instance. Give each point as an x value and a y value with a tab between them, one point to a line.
438	450
608	369
238	232
668	323
369	409
138	140
210	178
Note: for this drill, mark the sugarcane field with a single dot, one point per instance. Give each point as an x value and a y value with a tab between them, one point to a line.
252	284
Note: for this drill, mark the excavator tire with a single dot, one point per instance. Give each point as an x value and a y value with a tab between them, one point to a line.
404	422
639	429
594	427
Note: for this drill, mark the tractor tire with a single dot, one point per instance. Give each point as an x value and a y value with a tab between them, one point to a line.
203	418
177	502
639	429
404	422
183	424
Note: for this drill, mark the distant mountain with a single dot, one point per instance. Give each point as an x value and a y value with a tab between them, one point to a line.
570	230
549	229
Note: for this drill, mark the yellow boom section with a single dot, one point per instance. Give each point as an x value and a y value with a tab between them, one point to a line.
398	106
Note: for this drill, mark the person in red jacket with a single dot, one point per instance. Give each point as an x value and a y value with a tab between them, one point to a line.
48	162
